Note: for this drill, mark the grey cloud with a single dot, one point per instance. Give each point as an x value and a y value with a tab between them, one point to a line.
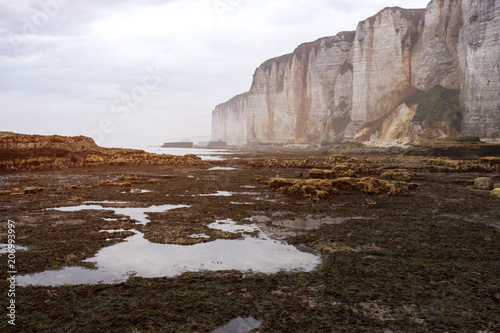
68	73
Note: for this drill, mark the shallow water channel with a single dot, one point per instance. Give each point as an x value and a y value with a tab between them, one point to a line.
136	256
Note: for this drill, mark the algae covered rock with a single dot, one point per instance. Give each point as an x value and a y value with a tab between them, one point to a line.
496	192
484	183
315	189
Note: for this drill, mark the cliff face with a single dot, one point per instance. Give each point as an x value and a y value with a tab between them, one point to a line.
300	97
369	85
382	63
479	52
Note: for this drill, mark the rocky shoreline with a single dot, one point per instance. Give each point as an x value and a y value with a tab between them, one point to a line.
39	152
421	256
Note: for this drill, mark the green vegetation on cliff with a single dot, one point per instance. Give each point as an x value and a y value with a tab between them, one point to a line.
436	104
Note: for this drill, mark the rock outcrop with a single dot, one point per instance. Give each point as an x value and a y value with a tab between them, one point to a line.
40	152
403	75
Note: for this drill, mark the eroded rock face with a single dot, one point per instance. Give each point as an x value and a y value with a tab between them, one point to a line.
300	97
335	88
479	52
382	62
435	57
39	152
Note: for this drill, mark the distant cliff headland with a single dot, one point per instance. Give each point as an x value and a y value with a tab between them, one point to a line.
44	152
403	76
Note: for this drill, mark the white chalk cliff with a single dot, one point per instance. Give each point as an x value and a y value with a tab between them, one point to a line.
403	75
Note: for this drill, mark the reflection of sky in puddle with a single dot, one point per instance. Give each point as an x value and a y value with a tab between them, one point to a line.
225	194
113	230
199	236
218	194
137	191
221	169
231	226
135	213
240	325
138	256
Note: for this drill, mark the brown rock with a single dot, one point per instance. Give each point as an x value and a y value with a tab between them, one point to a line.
315	189
33	190
484	183
39	152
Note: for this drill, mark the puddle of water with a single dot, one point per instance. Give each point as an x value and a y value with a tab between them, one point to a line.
113	230
248	186
199	236
218	194
107	202
239	325
221	169
227	194
68	275
265	199
310	223
138	256
232	226
241	203
135	213
4	248
259	218
137	191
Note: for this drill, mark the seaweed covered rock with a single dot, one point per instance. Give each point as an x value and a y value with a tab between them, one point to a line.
315	189
337	171
309	162
444	164
321	174
340	165
398	174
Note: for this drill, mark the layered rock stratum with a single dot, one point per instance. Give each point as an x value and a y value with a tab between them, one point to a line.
403	76
43	152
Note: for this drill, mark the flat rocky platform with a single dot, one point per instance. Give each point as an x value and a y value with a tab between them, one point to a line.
422	258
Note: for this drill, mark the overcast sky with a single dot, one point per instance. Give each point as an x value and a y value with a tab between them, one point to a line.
131	73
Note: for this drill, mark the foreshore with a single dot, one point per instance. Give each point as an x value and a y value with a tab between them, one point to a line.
420	257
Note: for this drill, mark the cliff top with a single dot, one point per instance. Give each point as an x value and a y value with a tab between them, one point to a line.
6	134
330	41
413	15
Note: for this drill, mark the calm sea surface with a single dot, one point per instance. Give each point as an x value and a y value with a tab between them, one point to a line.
205	154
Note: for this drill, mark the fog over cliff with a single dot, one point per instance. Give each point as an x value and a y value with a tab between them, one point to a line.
404	75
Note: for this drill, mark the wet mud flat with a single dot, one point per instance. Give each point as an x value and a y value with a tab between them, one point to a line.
422	257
